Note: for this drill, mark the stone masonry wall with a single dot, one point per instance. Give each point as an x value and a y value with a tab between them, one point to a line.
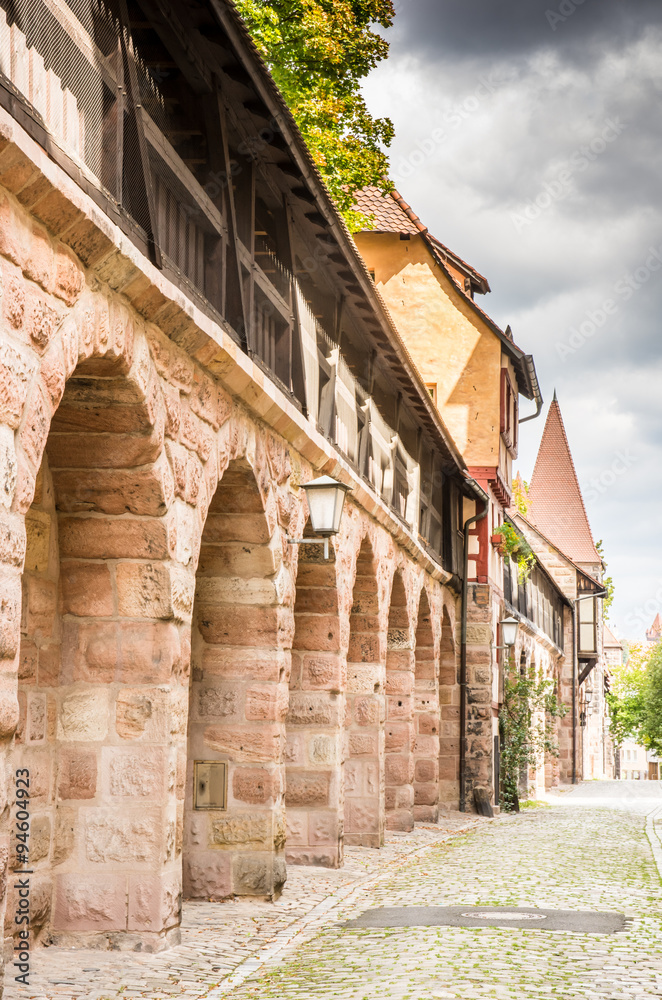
158	607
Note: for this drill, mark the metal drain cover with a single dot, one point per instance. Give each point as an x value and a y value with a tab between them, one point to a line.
579	921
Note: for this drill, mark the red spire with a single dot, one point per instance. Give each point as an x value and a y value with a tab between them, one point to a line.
556	504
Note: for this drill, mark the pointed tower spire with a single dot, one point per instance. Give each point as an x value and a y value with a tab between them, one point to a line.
556	503
555	400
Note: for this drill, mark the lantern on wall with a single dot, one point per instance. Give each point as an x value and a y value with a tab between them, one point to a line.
326	500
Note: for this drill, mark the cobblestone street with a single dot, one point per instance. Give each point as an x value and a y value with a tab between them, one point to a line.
593	848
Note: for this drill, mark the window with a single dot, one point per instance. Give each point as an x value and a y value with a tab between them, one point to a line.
587	620
509	412
432	389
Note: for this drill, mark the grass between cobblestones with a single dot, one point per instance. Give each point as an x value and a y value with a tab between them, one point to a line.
566	857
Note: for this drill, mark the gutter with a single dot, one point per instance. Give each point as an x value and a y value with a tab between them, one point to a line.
537	395
482	495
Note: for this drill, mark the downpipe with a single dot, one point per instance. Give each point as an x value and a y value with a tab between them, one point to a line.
463	643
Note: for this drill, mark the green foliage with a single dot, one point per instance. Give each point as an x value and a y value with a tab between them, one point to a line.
526	727
607	583
521	495
319	51
626	696
651	723
517	547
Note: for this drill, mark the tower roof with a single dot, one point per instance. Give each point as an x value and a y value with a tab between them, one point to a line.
556	503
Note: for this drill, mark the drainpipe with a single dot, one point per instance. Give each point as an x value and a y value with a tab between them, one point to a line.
575	667
537	395
463	642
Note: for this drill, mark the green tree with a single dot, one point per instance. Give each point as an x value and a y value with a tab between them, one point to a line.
319	51
526	727
651	721
626	697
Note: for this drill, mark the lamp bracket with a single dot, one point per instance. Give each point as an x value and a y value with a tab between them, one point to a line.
311	541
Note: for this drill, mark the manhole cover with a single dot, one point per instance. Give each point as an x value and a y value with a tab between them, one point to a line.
577	921
513	915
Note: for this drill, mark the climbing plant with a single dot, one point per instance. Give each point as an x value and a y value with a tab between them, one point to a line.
526	727
516	547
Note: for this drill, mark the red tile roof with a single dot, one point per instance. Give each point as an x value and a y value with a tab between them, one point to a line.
655	631
556	503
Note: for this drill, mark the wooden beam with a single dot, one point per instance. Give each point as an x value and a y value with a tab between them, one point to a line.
185	179
176	36
219	163
84	43
134	93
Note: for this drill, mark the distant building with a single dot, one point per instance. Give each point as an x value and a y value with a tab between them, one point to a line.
557	528
654	633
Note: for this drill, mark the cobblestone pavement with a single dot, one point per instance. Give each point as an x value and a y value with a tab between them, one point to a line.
218	938
591	850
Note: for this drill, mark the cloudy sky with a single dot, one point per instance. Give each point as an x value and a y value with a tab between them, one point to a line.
528	138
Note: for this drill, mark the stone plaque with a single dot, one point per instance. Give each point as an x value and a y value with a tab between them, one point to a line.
210	778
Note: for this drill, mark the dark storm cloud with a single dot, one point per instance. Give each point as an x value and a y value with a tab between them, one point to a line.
582	29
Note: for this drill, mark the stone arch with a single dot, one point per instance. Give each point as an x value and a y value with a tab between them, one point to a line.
399	741
240	656
449	698
426	717
106	607
363	769
314	751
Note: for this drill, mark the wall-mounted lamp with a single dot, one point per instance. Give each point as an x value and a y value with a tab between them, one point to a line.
509	630
588	694
326	499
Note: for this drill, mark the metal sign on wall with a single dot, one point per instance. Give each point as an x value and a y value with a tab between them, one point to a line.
210	781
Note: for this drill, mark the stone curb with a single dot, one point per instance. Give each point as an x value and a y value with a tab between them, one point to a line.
654	837
296	933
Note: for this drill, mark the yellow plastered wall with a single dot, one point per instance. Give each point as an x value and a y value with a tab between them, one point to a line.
450	345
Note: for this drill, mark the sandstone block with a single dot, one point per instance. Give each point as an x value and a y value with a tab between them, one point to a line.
36	722
310	709
252	876
307	788
398	737
363	745
223	701
154	902
243	743
83	716
133	712
321	671
88	902
245	831
106	538
85	589
77	774
426	795
137	775
122	838
399	770
267	702
207	876
322	750
40	838
254	785
16	373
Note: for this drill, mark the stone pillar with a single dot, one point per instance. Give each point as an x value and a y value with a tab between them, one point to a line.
449	701
426	719
480	728
364	760
238	697
400	733
314	787
101	662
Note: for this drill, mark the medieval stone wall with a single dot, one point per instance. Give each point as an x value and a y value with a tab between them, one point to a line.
157	614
